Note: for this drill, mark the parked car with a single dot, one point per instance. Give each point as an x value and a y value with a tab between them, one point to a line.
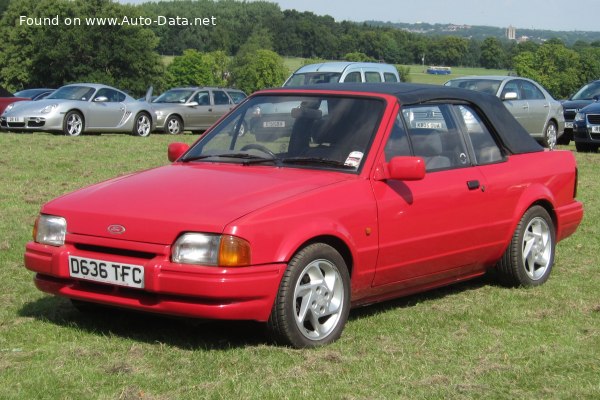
35	94
80	108
586	128
343	72
527	100
357	205
586	95
7	98
193	108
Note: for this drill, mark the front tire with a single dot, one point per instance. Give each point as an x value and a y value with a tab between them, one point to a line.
530	255
142	125
73	124
313	301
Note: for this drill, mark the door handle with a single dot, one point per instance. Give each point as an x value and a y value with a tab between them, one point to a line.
472	185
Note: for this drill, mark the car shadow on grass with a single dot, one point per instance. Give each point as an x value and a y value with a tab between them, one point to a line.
193	334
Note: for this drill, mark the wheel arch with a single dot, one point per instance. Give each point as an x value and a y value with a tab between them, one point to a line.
538	195
334	241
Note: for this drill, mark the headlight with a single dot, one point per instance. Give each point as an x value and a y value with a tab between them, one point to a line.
9	107
49	229
579	117
211	249
49	108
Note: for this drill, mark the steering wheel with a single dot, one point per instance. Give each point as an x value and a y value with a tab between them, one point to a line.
259	147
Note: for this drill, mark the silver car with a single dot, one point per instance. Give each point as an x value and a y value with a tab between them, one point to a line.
80	108
540	114
193	108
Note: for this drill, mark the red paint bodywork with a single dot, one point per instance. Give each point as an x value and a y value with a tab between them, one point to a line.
397	236
5	101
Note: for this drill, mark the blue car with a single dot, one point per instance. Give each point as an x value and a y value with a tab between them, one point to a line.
586	128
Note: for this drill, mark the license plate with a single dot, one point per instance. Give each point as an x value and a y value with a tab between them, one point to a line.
429	125
106	271
15	119
274	124
596	129
569	125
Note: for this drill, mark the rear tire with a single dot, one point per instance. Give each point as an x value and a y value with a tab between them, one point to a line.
313	301
529	257
550	135
142	125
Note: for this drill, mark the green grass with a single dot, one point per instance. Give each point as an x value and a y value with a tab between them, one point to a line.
472	340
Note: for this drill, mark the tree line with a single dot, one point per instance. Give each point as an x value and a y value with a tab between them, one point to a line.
244	47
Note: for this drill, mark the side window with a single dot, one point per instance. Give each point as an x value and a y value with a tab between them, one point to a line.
220	97
389	77
434	135
485	149
202	98
353	77
397	144
372	77
530	92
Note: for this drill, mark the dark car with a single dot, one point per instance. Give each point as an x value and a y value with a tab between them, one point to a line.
585	96
586	128
35	94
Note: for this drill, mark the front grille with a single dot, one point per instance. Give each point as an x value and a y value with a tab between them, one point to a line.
16	124
114	251
594	119
570	115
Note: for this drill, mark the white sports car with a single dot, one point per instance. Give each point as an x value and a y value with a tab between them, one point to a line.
80	108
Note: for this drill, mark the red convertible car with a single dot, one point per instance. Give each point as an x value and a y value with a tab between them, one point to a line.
378	191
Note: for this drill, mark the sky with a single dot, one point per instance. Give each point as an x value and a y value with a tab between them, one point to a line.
557	15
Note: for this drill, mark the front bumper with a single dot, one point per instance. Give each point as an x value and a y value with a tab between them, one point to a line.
584	133
33	123
244	293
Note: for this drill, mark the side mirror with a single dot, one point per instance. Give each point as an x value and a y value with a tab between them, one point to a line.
403	169
101	99
510	96
176	150
192	104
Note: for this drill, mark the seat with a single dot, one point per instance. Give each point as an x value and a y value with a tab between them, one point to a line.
429	146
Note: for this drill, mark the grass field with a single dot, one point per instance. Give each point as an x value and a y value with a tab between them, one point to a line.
472	340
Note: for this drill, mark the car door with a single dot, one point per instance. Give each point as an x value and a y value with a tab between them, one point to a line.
518	107
539	108
435	227
106	109
198	116
222	104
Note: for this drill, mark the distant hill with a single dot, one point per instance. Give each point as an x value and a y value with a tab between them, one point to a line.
481	32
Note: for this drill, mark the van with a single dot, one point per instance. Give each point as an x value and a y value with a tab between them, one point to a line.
334	72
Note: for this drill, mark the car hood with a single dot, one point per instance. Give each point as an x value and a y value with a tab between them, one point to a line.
576	104
155	206
34	107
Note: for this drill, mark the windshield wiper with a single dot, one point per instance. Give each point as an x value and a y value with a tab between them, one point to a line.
316	160
248	158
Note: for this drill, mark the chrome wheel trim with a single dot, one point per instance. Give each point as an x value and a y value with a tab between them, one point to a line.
318	299
173	126
551	136
143	125
537	248
74	124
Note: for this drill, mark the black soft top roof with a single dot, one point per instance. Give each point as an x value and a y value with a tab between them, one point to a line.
510	132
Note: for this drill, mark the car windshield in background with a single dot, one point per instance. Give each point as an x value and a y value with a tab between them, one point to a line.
174	96
313	78
481	85
590	91
299	131
82	93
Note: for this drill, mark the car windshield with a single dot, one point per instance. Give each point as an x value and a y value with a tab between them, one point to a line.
590	91
313	78
174	96
320	132
481	85
81	93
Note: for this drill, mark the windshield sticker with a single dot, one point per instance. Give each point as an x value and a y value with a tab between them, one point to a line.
354	159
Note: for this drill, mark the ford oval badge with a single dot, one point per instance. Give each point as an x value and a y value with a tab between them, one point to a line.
116	229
